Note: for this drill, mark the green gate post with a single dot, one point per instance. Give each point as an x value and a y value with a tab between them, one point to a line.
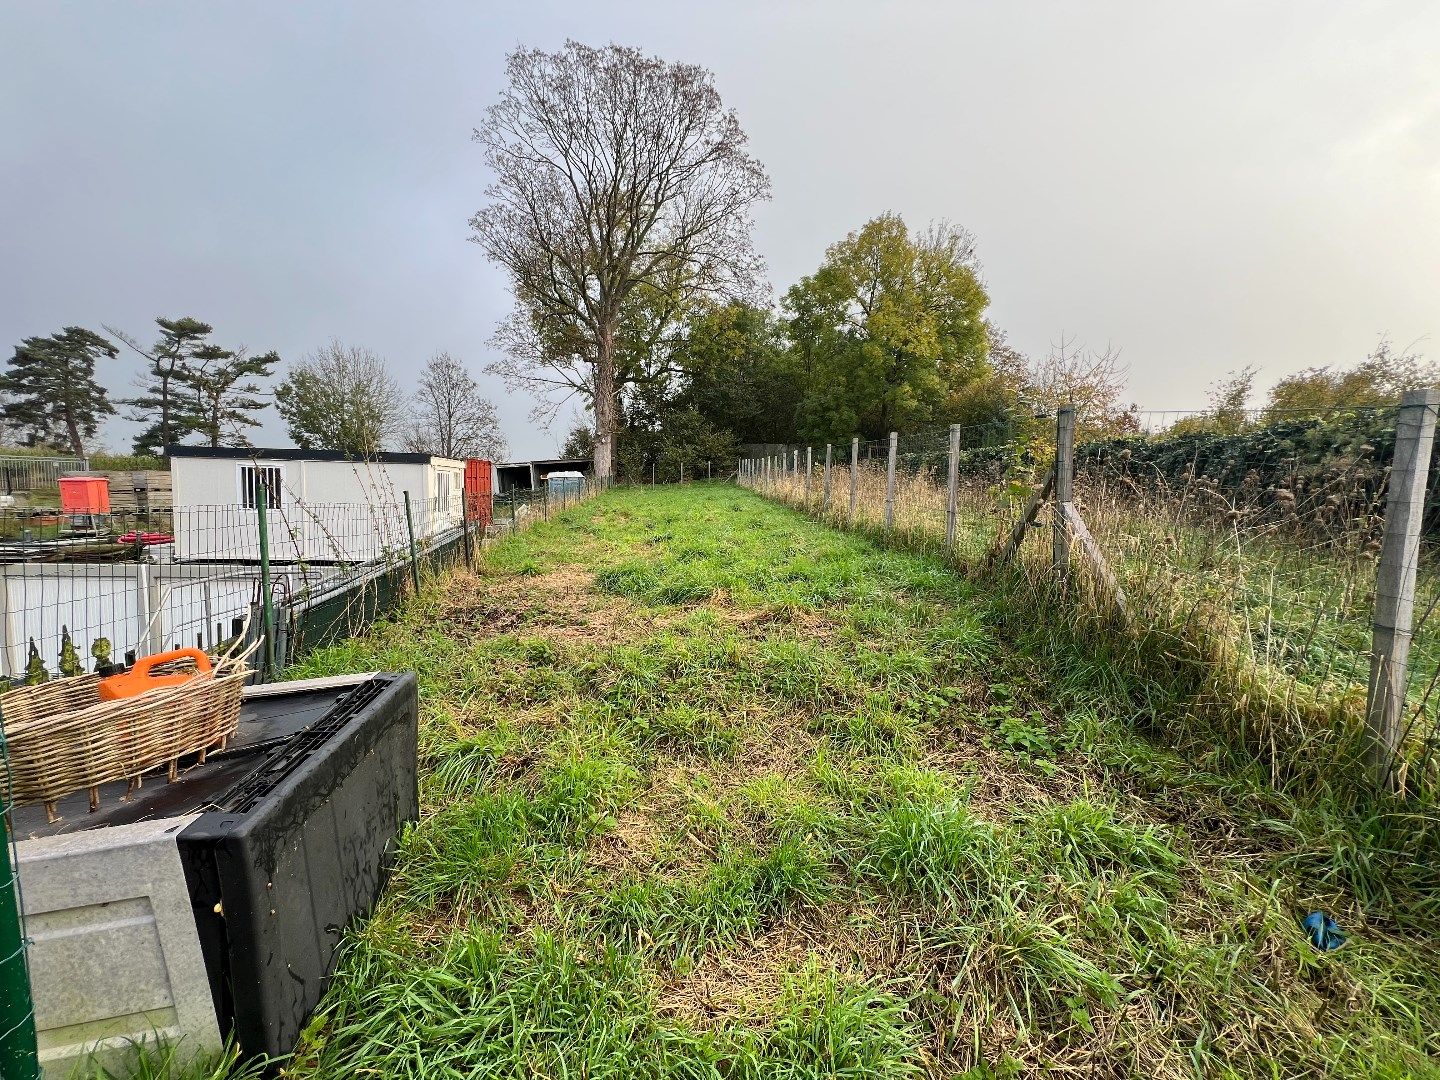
267	605
414	557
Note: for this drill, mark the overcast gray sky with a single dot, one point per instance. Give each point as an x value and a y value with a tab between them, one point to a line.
1205	185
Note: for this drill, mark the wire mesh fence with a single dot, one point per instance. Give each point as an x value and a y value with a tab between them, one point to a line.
27	474
1246	552
76	594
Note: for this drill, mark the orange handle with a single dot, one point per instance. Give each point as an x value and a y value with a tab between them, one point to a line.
145	663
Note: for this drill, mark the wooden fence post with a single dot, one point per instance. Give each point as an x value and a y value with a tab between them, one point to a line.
1064	487
1385	702
854	477
825	494
952	484
890	482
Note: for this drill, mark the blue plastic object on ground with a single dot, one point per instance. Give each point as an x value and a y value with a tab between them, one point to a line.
1325	932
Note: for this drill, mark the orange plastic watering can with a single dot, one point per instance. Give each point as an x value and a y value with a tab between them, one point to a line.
138	679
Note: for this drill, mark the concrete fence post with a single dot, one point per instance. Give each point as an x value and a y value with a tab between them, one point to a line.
890	482
825	491
809	468
854	475
267	594
5	633
1064	487
1385	702
951	487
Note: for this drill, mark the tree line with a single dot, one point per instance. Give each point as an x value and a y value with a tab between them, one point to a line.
194	389
620	208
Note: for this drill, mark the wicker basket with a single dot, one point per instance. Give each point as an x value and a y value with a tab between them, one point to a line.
61	737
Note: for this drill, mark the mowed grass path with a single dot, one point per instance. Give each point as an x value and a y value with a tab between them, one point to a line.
711	790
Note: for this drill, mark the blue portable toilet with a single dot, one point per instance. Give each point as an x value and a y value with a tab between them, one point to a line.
561	484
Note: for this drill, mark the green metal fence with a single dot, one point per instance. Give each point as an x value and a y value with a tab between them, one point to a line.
18	1054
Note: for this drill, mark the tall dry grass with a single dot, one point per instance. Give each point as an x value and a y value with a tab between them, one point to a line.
1256	619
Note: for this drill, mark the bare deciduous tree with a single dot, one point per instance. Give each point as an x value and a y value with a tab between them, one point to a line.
1092	380
617	175
450	417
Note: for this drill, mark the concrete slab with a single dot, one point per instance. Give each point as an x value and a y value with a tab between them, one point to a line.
114	957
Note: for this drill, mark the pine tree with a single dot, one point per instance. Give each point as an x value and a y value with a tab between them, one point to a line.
166	402
227	386
53	396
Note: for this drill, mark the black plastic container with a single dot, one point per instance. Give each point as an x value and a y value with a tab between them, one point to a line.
298	850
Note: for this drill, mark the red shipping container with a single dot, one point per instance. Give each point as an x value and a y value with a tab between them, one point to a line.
84	495
478	497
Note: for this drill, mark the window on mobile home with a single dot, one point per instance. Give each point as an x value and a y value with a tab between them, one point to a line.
442	492
255	479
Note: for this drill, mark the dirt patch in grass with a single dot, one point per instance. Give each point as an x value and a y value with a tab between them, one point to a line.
678	823
634	843
561	604
746	983
998	783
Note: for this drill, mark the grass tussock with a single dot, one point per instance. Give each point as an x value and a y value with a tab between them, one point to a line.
713	790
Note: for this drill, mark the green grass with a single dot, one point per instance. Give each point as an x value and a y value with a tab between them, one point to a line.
712	790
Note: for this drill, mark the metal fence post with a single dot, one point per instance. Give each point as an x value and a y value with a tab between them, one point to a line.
825	493
1064	487
512	510
414	555
854	475
809	468
18	1050
952	486
465	528
267	605
890	482
1395	583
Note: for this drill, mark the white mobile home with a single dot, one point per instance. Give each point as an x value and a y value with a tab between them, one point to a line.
321	506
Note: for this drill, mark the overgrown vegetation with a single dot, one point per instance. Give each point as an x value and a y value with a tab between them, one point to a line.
710	789
1247	562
